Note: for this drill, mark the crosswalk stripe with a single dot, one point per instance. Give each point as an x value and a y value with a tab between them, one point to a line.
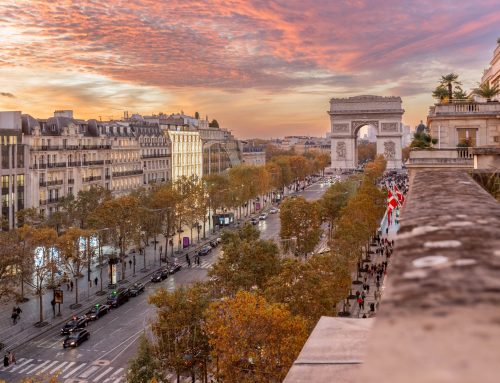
27	368
118	380
89	372
39	367
47	367
98	378
68	367
117	372
18	366
58	368
74	370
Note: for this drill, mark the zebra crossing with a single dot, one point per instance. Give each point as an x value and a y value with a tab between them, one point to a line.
98	371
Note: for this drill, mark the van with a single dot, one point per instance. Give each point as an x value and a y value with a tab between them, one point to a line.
118	297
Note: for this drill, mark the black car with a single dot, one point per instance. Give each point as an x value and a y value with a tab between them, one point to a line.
254	221
156	277
205	250
136	289
77	323
173	268
165	272
97	311
76	338
118	297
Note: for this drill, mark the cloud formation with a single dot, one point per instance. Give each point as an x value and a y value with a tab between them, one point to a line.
7	94
315	47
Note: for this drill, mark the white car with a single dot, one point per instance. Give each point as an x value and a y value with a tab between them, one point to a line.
263	216
274	210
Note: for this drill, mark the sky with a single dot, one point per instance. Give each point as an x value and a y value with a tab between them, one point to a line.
262	68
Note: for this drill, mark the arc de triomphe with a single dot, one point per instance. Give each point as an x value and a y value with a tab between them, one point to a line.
348	115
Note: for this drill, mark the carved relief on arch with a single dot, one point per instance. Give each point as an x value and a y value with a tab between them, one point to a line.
357	124
390	127
341	150
341	128
389	150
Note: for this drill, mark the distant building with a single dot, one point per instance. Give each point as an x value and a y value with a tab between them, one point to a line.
13	169
253	154
407	135
492	73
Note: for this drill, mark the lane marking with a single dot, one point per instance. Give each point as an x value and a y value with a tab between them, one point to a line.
74	370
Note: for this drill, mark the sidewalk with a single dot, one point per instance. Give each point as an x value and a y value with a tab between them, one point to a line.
13	336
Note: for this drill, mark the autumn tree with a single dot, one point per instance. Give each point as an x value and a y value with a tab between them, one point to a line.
43	240
72	255
145	366
253	340
247	261
312	288
334	199
8	252
121	217
165	199
180	339
301	219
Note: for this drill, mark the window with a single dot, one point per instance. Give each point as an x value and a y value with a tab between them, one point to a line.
467	136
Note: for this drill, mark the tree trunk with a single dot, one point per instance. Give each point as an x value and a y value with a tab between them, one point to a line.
76	288
450	91
40	304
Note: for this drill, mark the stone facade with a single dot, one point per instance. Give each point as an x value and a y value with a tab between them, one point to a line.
187	154
348	115
492	74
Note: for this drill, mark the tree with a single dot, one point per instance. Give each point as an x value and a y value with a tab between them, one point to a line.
72	255
253	340
43	240
422	140
441	94
145	366
8	252
301	219
196	115
23	257
486	91
334	199
180	339
121	216
214	124
166	199
449	81
367	152
247	261
312	288
459	93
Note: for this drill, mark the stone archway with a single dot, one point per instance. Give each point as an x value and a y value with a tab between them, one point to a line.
348	115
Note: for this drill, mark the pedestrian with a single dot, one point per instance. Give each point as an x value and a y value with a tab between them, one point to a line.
129	263
363	295
10	358
367	288
198	260
360	302
96	280
363	303
372	307
6	360
71	284
53	303
19	311
13	358
67	286
378	285
365	278
14	317
357	294
364	315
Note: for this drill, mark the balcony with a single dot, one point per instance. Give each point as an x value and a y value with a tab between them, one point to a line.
56	165
154	156
457	158
127	173
92	178
465	108
42	202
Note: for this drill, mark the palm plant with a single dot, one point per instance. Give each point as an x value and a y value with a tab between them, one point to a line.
449	81
486	91
459	93
440	93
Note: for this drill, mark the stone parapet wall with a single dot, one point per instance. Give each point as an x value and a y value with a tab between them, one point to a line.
439	320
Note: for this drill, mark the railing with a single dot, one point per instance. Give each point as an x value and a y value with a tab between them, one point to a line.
43	202
465	107
71	181
154	155
127	173
54	182
57	165
69	147
92	178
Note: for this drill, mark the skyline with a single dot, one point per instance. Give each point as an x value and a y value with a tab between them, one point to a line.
262	69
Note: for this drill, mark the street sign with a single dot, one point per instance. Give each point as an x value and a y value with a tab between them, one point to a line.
58	296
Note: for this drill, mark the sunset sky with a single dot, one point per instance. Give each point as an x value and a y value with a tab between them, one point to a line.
261	68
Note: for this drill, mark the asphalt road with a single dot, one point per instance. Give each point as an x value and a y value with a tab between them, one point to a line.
113	340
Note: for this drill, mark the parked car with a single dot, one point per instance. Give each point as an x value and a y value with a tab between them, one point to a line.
274	210
118	297
156	277
97	311
254	221
76	323
136	289
76	338
205	250
263	217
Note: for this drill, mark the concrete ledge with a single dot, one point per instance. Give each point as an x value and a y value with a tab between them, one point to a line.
333	352
439	320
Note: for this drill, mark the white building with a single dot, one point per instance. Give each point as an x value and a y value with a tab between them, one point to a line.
187	153
492	74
